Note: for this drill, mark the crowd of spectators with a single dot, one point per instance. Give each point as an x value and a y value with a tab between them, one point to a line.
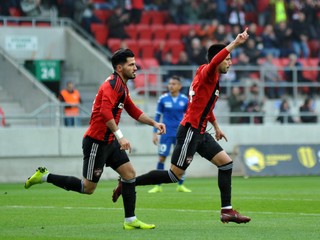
277	28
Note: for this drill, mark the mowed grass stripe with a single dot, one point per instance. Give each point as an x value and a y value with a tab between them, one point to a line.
151	209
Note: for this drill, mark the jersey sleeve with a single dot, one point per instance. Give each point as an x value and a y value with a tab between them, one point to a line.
212	118
132	109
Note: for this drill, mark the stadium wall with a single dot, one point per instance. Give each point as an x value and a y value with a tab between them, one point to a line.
22	150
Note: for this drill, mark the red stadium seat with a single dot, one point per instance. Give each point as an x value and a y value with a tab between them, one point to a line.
146	82
102	14
314	47
311	74
15	12
133	45
146	48
144	31
150	63
131	30
159	17
139	63
159	32
175	46
114	44
100	32
146	17
43	24
173	31
26	24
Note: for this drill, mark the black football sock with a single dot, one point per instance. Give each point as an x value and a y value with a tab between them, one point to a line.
224	183
156	177
66	182
129	197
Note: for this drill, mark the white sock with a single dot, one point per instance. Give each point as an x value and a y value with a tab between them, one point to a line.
227	207
130	219
44	177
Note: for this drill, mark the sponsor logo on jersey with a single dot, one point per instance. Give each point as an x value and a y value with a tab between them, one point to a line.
121	105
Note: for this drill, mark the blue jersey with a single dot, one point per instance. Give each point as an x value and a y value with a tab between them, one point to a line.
172	110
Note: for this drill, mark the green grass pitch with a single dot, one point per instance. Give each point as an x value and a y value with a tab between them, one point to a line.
280	208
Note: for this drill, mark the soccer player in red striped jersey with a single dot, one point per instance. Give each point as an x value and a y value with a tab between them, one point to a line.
192	136
104	144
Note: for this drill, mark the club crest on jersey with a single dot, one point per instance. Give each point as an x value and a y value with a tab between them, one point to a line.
97	172
121	105
189	160
217	93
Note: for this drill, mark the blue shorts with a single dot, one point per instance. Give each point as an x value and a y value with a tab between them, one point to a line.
165	144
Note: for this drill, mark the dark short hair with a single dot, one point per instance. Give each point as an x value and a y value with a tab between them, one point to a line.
120	57
213	50
175	77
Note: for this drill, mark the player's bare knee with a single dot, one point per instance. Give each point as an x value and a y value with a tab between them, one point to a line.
89	190
177	172
89	187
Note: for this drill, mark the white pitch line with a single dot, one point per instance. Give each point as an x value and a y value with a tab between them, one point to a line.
152	209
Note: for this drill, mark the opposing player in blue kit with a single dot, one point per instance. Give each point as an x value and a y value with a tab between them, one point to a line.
170	109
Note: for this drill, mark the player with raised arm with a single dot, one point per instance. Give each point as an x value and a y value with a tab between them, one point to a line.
104	144
192	136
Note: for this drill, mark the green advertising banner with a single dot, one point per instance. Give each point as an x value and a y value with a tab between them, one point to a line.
280	160
47	70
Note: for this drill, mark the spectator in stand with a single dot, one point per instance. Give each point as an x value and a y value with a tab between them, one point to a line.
192	33
270	42
283	34
300	36
278	9
237	15
117	22
243	67
137	7
84	14
4	8
176	12
254	104
253	31
236	104
72	98
191	9
221	11
49	8
293	73
39	8
2	118
206	7
272	79
220	35
308	108
235	30
311	11
196	52
185	75
284	113
165	60
252	51
31	8
207	30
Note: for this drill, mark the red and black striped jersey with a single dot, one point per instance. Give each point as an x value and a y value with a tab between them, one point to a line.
112	97
203	94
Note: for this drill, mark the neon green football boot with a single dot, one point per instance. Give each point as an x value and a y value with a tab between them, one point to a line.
182	188
137	224
36	178
155	189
